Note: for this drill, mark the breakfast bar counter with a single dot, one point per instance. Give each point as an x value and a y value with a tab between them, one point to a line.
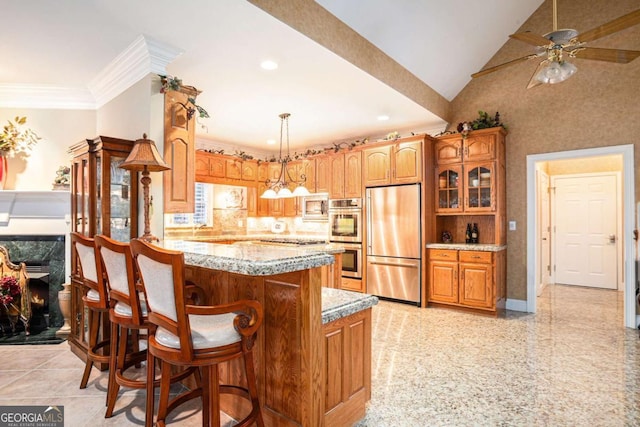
313	350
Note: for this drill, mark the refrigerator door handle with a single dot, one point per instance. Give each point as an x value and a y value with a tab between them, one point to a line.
369	232
395	264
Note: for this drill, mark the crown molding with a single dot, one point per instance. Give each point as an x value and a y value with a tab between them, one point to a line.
142	57
145	55
45	96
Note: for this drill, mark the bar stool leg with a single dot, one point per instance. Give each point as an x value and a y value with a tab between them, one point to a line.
94	323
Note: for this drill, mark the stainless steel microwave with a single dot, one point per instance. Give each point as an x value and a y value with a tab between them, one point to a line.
315	207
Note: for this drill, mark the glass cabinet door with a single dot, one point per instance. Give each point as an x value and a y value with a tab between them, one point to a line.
449	189
119	200
479	186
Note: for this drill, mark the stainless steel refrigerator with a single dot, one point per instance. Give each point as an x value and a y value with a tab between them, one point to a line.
394	242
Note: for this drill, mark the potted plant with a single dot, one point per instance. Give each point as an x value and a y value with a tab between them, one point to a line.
16	138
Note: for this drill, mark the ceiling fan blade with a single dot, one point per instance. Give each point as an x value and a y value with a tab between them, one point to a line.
619	24
501	66
531	38
533	82
620	56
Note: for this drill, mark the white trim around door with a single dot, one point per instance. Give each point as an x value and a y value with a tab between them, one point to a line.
628	217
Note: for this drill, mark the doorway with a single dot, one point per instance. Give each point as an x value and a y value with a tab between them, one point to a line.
627	264
585	220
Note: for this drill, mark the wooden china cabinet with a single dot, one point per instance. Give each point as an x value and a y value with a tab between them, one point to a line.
104	200
470	189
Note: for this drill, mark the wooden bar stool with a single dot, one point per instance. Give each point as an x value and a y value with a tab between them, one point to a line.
96	300
128	316
189	335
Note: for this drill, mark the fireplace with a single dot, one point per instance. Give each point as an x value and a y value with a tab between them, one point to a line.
33	229
44	257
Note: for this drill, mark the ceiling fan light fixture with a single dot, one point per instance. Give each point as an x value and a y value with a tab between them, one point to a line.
556	72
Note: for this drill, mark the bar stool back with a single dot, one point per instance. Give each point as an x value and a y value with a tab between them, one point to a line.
96	300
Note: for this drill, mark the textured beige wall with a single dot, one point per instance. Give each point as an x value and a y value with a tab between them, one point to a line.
58	129
598	106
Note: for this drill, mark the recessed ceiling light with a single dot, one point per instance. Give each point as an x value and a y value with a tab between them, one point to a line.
383	117
271	141
269	65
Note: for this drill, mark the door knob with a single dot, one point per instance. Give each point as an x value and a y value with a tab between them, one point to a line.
612	238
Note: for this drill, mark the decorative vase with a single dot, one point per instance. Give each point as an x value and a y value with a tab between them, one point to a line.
4	169
64	301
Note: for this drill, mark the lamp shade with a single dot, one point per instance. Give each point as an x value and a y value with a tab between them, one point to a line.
144	154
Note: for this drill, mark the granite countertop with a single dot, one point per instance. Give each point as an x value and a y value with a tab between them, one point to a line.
252	260
467	247
329	248
337	303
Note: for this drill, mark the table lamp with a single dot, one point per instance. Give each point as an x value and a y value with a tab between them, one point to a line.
144	157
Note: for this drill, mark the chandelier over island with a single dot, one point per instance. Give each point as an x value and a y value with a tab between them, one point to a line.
279	188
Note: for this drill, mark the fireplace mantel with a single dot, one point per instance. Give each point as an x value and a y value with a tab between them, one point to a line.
33	205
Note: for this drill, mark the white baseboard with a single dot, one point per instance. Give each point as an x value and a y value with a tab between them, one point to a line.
516	305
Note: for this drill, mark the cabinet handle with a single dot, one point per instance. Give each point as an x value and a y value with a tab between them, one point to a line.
475	257
458	152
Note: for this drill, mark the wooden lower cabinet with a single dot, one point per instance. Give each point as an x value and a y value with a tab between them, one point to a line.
347	368
349	284
467	279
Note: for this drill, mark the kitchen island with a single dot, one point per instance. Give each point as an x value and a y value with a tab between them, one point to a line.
313	350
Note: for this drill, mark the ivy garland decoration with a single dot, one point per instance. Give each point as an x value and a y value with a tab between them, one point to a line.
174	83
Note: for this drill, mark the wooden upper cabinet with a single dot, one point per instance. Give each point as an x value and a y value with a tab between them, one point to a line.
479	148
396	163
407	157
249	170
233	168
323	174
479	145
221	169
377	166
307	169
346	175
202	165
179	153
337	176
353	174
217	167
448	150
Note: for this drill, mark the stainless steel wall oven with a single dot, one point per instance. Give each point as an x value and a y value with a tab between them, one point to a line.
345	226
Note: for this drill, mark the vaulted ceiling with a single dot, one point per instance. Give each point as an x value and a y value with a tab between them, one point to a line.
357	60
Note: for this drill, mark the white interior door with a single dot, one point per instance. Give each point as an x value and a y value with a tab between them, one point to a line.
544	221
585	214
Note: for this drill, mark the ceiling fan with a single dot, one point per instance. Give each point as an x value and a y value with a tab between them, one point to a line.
555	46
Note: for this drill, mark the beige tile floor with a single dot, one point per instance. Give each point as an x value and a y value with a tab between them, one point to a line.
571	364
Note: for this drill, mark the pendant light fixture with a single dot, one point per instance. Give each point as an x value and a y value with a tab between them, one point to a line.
279	188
